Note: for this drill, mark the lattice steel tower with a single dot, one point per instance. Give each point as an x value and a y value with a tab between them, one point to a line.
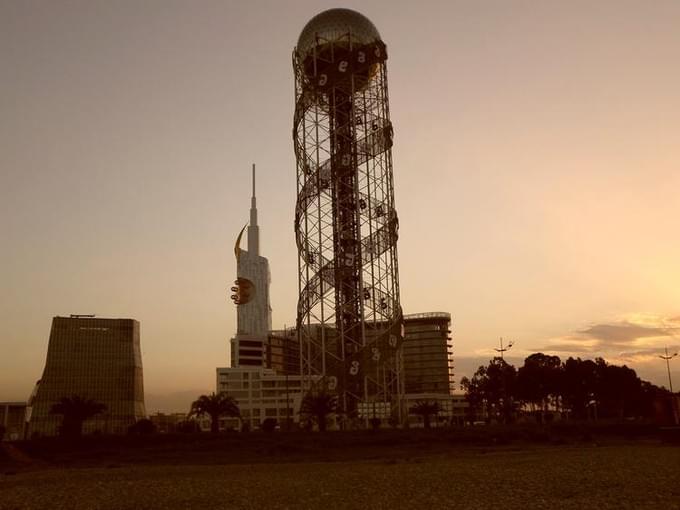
349	317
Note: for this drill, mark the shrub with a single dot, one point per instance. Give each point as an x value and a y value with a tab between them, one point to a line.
188	427
144	427
269	425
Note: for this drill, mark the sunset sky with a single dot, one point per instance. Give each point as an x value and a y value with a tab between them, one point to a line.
536	167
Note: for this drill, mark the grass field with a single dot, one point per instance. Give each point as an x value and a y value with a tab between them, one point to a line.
426	473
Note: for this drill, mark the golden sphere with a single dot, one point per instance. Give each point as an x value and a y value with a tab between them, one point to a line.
334	24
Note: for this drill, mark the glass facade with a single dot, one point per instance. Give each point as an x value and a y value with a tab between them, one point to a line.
428	353
93	358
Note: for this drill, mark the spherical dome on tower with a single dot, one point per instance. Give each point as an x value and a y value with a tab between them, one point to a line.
335	23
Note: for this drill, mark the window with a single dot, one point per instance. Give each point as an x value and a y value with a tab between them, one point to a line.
249	352
250	343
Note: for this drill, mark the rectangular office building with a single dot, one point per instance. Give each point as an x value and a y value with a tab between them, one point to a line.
91	358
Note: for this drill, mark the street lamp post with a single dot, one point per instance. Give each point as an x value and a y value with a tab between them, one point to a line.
504	397
286	355
668	358
506	348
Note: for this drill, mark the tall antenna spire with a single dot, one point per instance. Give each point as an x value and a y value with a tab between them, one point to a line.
253	182
253	229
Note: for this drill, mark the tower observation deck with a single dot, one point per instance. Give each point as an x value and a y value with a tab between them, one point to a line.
349	316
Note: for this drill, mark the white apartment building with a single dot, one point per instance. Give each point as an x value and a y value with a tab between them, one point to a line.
261	393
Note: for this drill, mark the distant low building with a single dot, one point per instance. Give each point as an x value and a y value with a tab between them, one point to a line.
93	358
13	419
452	408
459	407
167	423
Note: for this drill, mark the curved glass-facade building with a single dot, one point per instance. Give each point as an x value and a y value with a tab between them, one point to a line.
428	353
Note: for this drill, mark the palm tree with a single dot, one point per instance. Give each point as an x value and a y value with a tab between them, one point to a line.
426	409
319	405
75	411
215	406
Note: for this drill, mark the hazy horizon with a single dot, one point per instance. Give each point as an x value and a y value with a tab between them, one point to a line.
536	173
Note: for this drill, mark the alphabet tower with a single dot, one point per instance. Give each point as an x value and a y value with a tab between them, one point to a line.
349	316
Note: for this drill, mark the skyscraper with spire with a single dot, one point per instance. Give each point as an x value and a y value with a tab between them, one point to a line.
251	295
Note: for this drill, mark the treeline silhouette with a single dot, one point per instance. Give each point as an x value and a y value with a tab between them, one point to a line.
545	386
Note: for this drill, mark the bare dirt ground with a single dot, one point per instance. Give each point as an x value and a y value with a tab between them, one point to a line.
636	476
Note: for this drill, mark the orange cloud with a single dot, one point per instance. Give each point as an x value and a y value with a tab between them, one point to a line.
636	338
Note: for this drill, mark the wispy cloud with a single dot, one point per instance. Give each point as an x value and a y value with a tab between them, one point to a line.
622	333
635	338
644	356
570	348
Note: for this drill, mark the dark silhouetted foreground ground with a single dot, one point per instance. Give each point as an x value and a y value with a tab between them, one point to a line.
639	474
